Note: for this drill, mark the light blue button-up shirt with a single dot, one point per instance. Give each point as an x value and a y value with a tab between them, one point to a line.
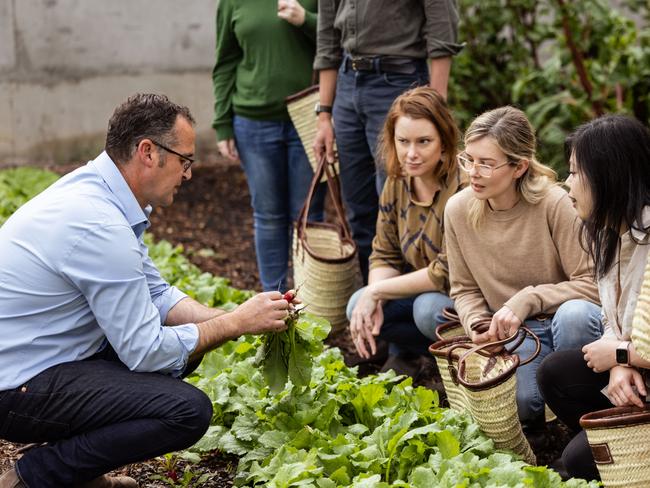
75	273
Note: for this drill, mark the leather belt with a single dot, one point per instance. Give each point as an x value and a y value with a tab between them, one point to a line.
405	66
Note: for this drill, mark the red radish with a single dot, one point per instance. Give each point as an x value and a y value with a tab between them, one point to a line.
289	295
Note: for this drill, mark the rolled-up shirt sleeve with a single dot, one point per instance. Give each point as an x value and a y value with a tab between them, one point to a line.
129	299
163	295
441	28
329	52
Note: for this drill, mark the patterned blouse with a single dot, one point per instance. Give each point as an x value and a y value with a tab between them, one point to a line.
410	233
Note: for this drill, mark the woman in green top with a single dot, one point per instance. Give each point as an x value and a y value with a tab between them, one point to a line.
408	281
265	51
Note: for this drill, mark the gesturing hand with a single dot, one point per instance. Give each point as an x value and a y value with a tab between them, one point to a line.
291	11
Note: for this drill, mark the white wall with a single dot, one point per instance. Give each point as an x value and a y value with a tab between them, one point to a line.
66	64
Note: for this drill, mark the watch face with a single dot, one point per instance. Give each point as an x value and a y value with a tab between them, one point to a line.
621	356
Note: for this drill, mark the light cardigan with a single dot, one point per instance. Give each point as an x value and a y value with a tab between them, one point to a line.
527	258
617	316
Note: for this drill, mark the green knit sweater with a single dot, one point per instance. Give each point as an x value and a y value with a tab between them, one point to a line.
260	60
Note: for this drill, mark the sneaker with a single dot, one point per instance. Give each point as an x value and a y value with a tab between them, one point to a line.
402	364
10	479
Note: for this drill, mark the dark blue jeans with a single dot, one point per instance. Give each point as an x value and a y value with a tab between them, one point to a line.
362	101
96	416
278	174
409	323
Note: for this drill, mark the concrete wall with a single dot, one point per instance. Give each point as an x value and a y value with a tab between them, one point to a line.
66	64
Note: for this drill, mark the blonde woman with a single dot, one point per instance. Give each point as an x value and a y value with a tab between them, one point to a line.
408	283
514	252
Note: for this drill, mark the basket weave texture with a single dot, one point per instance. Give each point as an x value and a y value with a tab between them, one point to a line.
619	440
301	111
641	320
324	255
486	387
326	287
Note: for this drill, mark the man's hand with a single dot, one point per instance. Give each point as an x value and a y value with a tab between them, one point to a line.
625	386
228	149
291	11
324	140
600	355
262	313
365	323
504	324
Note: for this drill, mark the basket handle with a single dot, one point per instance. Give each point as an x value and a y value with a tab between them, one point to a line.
517	340
334	187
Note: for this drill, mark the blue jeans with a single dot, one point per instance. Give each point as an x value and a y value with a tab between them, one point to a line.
576	323
278	174
96	416
362	101
409	323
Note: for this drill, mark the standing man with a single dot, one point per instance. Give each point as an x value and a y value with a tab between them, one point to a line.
380	49
92	340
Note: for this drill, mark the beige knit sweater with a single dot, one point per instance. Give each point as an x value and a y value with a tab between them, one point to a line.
528	258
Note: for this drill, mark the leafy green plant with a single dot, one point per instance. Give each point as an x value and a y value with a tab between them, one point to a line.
187	478
288	354
562	62
335	430
18	185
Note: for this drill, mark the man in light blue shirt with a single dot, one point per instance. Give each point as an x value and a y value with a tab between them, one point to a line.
92	339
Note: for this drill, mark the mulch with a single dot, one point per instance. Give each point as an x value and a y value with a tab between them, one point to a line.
212	212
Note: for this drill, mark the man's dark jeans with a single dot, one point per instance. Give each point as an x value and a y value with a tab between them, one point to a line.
96	416
362	101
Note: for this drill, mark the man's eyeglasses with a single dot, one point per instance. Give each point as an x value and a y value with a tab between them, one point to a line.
484	170
185	160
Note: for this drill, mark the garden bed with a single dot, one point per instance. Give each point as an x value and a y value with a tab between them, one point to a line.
212	219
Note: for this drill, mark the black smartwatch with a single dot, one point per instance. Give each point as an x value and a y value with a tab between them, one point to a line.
322	108
623	353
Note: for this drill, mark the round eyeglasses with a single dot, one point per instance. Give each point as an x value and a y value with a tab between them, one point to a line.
484	170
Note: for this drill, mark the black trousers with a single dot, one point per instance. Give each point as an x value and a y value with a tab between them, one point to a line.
97	415
571	389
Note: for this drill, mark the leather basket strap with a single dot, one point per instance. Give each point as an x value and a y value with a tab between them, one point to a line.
504	354
334	188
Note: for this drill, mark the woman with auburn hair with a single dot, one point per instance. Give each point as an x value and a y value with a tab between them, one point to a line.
408	283
609	181
514	253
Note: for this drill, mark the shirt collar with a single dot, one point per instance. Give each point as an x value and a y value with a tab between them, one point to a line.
137	217
638	234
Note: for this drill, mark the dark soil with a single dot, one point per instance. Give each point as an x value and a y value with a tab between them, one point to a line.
212	212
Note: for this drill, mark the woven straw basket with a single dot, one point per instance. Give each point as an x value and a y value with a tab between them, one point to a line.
641	321
619	442
484	384
324	256
301	110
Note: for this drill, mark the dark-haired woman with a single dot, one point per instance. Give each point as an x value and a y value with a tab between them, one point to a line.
609	184
408	283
